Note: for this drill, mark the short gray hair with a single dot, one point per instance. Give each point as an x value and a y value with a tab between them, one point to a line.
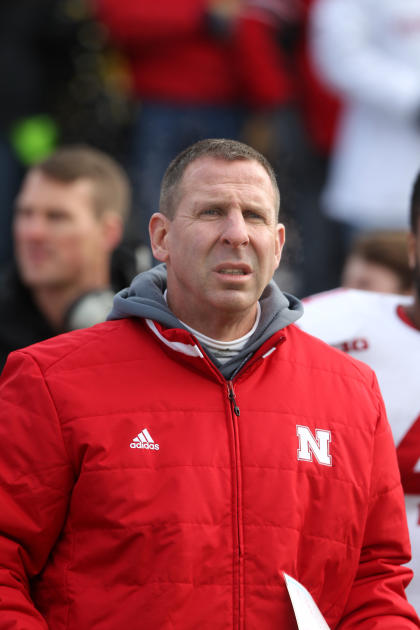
219	148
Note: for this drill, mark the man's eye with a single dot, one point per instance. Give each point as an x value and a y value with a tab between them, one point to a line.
57	216
251	214
211	212
23	213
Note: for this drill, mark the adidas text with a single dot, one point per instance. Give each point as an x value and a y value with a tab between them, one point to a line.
151	447
144	440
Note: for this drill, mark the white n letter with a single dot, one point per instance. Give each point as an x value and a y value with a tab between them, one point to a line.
318	445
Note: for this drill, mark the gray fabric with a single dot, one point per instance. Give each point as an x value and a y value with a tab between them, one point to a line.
144	298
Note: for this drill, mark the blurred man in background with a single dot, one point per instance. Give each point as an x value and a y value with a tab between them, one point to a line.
69	218
378	261
384	332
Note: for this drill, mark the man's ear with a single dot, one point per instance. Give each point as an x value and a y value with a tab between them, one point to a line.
280	240
411	250
158	230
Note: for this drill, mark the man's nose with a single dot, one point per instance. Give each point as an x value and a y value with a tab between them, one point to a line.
235	230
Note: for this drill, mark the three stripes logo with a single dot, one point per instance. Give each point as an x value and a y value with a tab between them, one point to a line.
144	440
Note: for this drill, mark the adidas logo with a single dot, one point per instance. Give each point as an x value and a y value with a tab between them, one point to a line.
144	440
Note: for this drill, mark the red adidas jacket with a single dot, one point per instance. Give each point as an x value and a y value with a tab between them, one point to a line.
139	489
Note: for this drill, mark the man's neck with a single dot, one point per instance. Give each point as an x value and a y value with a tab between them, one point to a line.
225	350
224	331
219	326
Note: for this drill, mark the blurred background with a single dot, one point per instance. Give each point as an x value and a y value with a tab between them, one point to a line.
328	90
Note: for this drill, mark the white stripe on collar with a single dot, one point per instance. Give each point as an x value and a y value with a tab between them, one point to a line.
185	348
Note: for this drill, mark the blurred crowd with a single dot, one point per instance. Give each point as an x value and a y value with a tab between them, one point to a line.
328	90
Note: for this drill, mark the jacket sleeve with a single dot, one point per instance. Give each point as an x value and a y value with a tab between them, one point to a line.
346	54
377	599
35	483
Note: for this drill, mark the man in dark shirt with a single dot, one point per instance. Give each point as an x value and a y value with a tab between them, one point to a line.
69	219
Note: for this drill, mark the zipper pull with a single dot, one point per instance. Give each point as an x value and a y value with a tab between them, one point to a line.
232	399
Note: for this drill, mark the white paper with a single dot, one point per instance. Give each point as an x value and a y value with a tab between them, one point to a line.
308	616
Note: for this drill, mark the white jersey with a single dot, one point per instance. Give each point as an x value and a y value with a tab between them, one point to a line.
368	51
371	327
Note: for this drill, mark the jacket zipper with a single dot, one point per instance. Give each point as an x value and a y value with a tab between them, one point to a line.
238	509
232	399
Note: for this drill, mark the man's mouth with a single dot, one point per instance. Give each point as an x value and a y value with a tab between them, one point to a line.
232	268
233	272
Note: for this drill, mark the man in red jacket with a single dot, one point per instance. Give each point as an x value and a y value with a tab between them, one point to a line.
165	469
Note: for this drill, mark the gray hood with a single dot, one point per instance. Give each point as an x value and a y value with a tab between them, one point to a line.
144	298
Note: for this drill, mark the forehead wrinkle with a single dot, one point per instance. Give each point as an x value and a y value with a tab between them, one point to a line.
245	194
199	178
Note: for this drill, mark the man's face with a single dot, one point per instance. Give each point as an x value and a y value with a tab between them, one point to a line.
224	243
359	273
58	239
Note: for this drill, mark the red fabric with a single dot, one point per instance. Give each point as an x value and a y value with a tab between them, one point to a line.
194	534
262	70
174	57
404	317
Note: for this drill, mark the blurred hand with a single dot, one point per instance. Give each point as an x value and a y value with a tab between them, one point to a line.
221	16
224	9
